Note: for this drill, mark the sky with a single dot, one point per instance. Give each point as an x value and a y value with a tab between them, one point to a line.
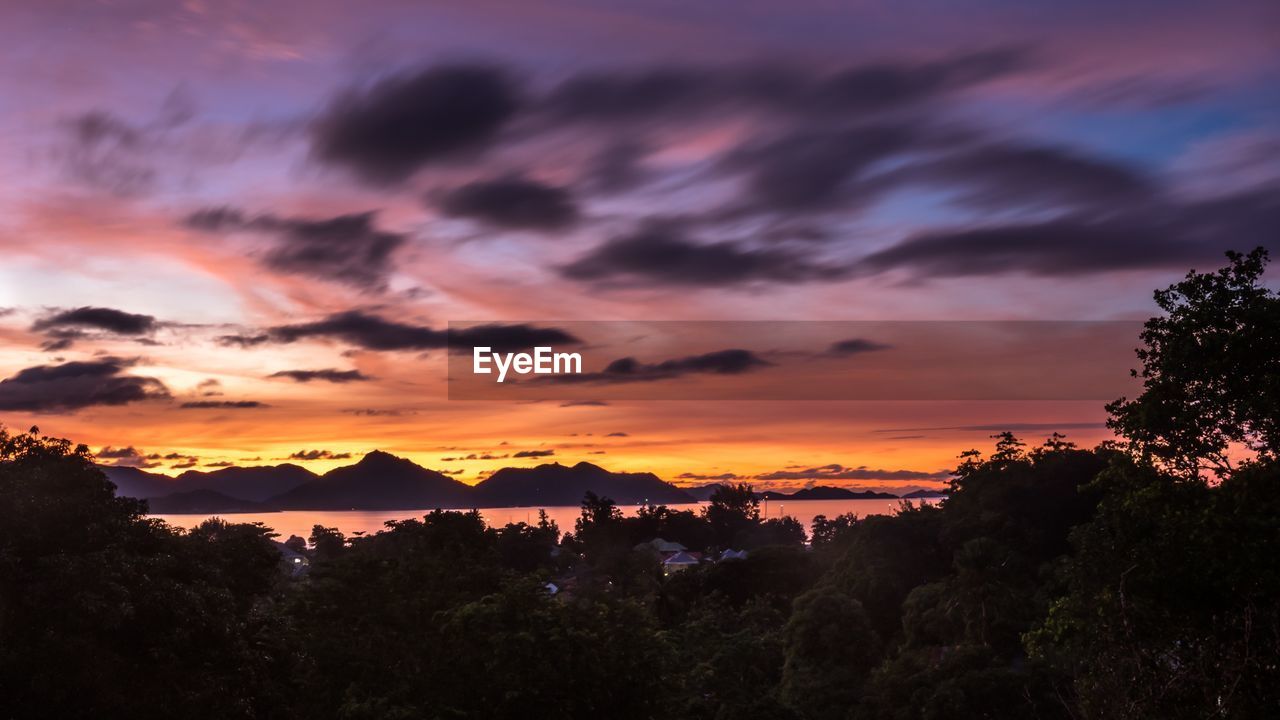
238	232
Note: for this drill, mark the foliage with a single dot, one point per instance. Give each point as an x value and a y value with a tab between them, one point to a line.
1054	582
1210	372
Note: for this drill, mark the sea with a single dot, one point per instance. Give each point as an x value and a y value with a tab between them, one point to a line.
355	522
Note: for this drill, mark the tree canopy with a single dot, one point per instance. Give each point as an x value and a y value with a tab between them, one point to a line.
1136	579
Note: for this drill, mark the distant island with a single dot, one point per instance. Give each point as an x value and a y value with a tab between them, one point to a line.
824	492
382	481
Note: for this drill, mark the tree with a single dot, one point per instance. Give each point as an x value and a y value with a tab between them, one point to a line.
107	613
296	544
1210	372
1172	599
732	510
830	650
328	543
828	532
1171	606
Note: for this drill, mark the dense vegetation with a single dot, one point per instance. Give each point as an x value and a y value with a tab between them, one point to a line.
1138	579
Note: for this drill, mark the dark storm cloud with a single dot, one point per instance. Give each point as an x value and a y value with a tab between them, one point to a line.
349	249
512	203
620	166
629	369
388	131
808	170
365	331
103	152
115	453
721	362
61	339
1064	247
124	457
507	338
533	453
319	455
661	254
1159	236
697	476
840	472
683	91
855	346
222	405
76	385
346	248
890	84
378	412
1241	220
173	456
99	318
327	375
243	341
375	333
219	219
999	176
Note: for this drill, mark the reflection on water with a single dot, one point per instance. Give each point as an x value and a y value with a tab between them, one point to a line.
300	522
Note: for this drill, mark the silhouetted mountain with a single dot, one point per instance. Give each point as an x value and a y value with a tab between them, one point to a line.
135	483
240	483
702	493
202	502
557	484
248	483
926	494
824	492
380	481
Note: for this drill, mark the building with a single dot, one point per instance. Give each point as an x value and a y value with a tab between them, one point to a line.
295	563
662	547
680	561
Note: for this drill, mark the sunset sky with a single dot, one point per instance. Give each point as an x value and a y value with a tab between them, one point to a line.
236	232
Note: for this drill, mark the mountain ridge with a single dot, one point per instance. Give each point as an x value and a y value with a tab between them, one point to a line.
383	481
556	484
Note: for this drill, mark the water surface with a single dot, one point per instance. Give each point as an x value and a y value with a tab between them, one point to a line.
300	522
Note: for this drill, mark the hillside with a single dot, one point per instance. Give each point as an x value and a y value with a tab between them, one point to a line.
556	484
248	483
202	502
824	492
255	484
380	481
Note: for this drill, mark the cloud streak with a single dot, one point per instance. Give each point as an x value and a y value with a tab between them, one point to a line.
332	375
76	385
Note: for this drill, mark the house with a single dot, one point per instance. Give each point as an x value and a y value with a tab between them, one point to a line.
295	563
662	547
680	561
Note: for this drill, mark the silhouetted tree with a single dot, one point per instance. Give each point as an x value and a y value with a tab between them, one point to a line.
1210	372
830	650
732	510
